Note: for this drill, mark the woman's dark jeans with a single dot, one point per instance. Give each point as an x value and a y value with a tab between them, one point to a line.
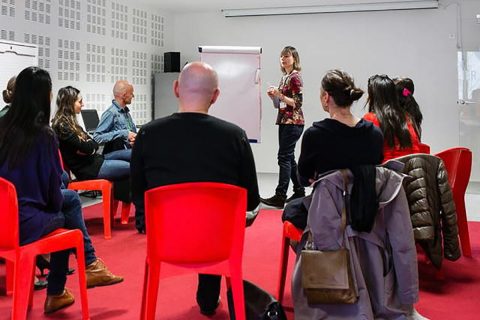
70	218
288	135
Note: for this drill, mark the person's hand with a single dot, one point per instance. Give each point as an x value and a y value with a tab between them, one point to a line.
131	137
271	91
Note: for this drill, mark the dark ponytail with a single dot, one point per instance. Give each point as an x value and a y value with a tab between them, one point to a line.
383	101
405	89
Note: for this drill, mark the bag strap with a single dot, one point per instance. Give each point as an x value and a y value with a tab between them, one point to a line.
344	209
343	224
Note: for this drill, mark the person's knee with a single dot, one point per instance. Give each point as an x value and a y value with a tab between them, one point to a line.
70	197
285	158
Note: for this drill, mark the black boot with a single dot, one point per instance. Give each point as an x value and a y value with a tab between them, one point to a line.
277	201
296	194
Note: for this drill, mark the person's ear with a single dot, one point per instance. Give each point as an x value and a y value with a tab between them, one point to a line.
326	98
175	89
215	95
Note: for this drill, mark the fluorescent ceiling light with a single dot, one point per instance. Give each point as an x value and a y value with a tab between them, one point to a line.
353	7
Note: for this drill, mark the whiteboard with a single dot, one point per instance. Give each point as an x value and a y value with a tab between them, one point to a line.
238	71
14	57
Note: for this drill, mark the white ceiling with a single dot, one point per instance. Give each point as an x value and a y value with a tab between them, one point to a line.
217	5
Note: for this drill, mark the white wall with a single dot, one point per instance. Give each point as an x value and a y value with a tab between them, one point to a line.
90	44
421	44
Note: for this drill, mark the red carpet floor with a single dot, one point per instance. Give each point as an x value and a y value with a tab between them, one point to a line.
455	297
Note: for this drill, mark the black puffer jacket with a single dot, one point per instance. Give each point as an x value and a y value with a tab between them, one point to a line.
432	208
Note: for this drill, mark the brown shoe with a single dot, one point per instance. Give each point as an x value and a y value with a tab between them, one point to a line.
98	275
54	303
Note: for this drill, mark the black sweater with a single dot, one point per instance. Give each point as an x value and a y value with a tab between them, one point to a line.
79	155
192	147
331	145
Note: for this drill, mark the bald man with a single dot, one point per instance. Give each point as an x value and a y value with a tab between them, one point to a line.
192	146
116	129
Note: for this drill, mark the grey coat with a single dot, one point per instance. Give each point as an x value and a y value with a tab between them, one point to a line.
384	261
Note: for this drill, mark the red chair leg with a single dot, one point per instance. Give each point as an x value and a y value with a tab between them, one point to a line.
125	212
24	269
82	278
283	268
107	213
114	207
10	268
238	294
151	292
463	227
144	292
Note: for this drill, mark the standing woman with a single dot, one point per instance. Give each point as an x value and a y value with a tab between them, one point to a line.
385	112
288	99
79	150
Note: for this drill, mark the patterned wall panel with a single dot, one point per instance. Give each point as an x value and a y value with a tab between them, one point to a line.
38	11
90	44
69	14
44	49
7	8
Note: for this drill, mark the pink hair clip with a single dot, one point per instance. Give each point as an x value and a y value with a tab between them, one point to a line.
406	92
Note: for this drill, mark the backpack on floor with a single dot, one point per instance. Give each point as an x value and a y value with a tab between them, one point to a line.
259	304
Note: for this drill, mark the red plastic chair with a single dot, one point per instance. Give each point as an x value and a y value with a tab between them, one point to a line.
198	226
109	205
290	232
424	148
21	259
458	162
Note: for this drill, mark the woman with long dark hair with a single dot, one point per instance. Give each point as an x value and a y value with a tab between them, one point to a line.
29	159
288	99
405	89
385	112
79	150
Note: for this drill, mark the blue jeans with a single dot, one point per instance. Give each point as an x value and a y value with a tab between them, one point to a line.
70	218
288	135
116	165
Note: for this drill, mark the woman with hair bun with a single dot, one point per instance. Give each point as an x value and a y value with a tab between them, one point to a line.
385	112
405	89
343	140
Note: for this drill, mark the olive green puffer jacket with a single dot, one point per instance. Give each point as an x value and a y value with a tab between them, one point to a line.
432	208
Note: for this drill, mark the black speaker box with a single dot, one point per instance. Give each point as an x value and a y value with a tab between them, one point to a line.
171	62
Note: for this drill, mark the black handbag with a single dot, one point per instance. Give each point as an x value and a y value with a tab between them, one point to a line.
259	304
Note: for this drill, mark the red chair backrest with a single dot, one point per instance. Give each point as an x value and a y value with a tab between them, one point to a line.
424	148
9	233
198	222
458	163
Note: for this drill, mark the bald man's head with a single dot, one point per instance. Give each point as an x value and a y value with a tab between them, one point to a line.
196	87
123	92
